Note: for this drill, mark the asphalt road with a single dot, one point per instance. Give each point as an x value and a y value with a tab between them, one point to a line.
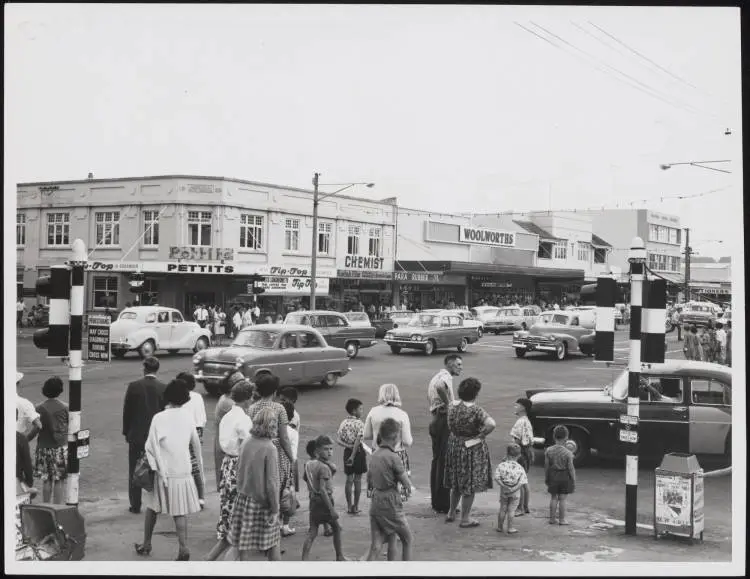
504	377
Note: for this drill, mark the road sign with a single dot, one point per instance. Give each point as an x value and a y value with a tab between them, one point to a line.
627	419
628	436
83	437
98	338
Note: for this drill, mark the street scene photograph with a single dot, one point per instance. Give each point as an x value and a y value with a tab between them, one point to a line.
374	290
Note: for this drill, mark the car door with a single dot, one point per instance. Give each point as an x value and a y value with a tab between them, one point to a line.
664	422
163	328
459	329
290	366
710	415
314	357
180	332
336	326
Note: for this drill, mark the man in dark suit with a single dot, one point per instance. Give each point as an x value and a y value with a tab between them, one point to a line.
143	399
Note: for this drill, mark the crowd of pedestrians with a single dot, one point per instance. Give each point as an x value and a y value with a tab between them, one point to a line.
712	343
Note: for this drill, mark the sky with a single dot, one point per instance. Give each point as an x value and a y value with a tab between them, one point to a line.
450	108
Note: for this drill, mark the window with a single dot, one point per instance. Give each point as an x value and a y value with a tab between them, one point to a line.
199	228
291	234
374	241
334	321
661	262
177	318
674	263
108	228
561	250
661	389
105	291
600	255
151	318
288	340
663	234
545	250
163	317
20	229
309	340
150	228
58	229
150	294
674	236
324	238
352	242
251	231
456	321
584	252
710	392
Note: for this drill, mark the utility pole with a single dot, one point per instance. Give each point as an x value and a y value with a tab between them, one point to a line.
313	266
688	251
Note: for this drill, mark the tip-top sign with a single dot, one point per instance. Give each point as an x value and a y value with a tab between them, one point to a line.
482	236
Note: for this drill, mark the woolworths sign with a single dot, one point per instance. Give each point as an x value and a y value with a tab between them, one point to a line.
486	236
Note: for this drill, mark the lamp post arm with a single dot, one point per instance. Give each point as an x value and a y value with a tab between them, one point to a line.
711	168
313	265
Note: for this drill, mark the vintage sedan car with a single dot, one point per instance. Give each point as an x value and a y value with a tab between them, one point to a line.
146	329
558	334
336	329
432	331
358	319
685	406
484	313
470	320
511	318
391	320
698	314
296	354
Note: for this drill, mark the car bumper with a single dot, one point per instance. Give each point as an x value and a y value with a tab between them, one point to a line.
208	378
534	347
406	344
367	343
120	346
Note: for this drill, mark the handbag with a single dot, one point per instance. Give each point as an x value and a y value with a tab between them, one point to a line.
143	474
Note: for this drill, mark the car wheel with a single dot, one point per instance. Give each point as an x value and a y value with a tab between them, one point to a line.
520	352
479	332
429	348
330	380
173	351
201	344
396	349
147	349
352	349
583	449
562	351
119	354
463	345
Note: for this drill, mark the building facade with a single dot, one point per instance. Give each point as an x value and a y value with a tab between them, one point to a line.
201	239
710	279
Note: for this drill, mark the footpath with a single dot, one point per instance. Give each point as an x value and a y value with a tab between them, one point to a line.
592	536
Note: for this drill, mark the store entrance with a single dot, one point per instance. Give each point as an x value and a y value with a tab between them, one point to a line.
192	299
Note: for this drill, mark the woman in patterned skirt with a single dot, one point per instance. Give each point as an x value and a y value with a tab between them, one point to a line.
234	429
255	524
467	464
171	433
223	406
52	444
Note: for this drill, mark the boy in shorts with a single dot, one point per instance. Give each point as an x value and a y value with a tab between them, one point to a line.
559	475
511	477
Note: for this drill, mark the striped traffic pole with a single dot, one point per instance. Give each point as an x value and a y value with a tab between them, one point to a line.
654	319
59	312
629	435
77	296
604	340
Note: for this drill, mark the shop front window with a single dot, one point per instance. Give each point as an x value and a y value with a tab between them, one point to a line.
105	291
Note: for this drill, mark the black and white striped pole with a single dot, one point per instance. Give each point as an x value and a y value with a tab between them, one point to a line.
56	288
77	298
604	340
629	434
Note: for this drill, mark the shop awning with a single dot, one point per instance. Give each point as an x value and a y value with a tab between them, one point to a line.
536	230
468	268
597	241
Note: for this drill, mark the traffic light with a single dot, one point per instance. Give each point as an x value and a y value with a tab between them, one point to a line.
56	337
136	282
254	284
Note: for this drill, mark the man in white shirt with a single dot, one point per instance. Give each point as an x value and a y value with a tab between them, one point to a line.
440	395
247	318
256	313
20	309
236	323
200	315
28	421
721	341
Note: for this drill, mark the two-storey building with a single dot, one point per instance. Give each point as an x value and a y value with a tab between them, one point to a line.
201	239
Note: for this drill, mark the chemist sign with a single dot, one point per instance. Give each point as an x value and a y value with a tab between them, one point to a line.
98	338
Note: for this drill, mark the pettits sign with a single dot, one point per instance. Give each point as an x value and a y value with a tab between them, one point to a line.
482	236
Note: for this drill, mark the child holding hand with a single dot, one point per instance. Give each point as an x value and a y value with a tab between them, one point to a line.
511	477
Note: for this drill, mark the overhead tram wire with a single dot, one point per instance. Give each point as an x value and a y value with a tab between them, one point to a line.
642	84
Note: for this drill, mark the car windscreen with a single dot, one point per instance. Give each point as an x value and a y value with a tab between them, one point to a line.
425	320
300	319
128	316
357	317
264	339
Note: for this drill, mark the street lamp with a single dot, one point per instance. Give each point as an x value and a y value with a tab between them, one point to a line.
701	164
316	199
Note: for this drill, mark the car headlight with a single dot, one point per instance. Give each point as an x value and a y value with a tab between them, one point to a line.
197	359
516	334
238	362
389	336
416	338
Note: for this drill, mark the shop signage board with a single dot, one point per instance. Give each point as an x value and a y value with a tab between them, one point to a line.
363	262
113	266
483	236
412	276
363	274
213	268
293	285
295	271
191	253
98	347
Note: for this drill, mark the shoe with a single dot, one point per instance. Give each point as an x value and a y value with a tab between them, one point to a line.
512	531
519	514
553	521
469	524
526	510
142	550
135	510
183	556
561	522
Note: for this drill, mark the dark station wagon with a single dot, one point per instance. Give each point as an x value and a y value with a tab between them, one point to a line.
336	329
685	406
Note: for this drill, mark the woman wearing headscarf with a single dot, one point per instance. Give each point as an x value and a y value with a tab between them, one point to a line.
467	464
170	436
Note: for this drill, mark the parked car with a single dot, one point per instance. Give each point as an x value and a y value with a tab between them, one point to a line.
430	332
391	320
146	329
296	354
484	313
511	318
557	333
698	313
685	406
336	329
358	319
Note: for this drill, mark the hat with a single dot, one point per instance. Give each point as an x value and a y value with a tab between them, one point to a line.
19	377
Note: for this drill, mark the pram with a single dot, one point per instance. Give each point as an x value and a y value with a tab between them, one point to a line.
50	532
